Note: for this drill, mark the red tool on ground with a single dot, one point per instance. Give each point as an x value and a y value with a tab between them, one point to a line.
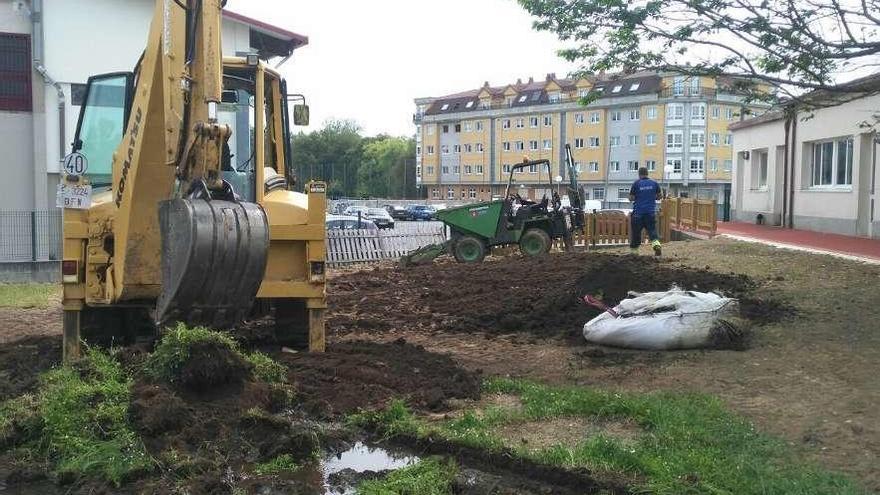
592	301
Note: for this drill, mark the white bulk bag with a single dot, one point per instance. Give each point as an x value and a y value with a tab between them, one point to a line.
675	319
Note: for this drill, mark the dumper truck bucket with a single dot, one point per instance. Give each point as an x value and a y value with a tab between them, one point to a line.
213	261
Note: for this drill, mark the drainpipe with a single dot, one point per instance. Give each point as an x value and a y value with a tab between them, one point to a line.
793	168
37	35
787	127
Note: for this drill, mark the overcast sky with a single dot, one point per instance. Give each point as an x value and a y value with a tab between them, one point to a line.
367	60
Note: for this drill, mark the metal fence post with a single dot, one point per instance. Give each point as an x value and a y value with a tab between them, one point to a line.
33	235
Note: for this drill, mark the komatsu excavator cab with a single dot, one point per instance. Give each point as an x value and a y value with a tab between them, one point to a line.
193	213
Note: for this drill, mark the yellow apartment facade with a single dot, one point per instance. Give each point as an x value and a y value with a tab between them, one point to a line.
676	126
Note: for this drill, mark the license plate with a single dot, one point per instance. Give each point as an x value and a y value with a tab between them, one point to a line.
74	196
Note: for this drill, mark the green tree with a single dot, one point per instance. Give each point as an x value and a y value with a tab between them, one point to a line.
388	168
793	45
332	154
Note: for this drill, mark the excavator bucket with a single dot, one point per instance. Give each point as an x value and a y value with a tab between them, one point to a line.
213	261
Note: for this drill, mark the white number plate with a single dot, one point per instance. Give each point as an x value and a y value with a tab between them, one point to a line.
74	196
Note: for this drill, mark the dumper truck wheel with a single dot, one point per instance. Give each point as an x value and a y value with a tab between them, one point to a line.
468	249
534	242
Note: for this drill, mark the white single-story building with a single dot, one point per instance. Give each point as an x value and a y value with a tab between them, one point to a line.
48	50
812	166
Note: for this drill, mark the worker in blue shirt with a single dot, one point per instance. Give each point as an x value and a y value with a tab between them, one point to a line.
643	194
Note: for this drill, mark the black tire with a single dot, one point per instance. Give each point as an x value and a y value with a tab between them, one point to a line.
535	242
469	249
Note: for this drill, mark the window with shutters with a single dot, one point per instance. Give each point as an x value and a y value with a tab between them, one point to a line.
15	72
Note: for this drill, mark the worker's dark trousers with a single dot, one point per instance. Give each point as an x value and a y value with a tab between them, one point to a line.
639	222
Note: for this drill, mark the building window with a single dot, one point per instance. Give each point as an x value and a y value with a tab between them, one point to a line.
599	193
548	144
673	166
616	89
698	112
651	165
695	86
520	123
634	86
632	165
716	139
713	165
523	98
579	118
728	165
554	97
520	145
456	148
594	141
444	169
468	148
468	170
652	112
505	145
418	151
583	92
469	104
479	147
635	114
472	193
651	139
429	170
456	169
485	104
698	140
678	86
614	166
615	115
479	169
445	107
759	170
548	120
594	167
444	149
832	163
728	139
506	168
508	100
430	150
623	194
729	113
445	129
533	145
457	127
533	169
478	125
614	141
533	122
674	141
579	143
505	124
716	112
674	111
595	117
468	127
435	194
450	193
697	166
634	140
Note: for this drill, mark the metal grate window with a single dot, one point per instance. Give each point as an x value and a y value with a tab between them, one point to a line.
15	72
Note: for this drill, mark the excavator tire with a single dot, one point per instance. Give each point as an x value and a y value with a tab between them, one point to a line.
535	242
214	255
469	249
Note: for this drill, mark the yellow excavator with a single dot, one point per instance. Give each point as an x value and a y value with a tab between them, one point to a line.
166	218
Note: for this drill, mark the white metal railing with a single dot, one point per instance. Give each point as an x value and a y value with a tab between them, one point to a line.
347	247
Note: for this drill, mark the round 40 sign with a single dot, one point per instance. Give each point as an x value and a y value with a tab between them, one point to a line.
75	164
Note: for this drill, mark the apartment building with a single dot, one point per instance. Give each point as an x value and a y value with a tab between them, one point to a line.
674	125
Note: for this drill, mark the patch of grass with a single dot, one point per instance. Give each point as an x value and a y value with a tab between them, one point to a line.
78	420
266	368
27	295
427	477
175	349
281	464
690	444
394	420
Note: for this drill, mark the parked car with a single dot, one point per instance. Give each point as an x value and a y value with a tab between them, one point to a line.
354	210
397	212
349	222
421	212
380	217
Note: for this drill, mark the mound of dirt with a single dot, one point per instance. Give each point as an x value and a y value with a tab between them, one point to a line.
22	361
540	296
366	375
210	365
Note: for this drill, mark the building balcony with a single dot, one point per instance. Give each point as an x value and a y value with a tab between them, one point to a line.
687	92
417	118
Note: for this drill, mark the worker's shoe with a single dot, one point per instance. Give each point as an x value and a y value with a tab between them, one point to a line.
656	246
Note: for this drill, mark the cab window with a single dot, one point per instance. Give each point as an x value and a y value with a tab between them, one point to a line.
102	124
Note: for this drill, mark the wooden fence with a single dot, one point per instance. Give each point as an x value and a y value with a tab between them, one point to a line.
346	247
698	215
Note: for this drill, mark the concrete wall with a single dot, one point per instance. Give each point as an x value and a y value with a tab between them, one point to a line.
747	200
623	129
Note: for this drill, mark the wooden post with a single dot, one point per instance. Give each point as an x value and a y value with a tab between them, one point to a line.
71	336
317	342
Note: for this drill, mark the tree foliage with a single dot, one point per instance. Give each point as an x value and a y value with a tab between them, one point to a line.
793	45
351	164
